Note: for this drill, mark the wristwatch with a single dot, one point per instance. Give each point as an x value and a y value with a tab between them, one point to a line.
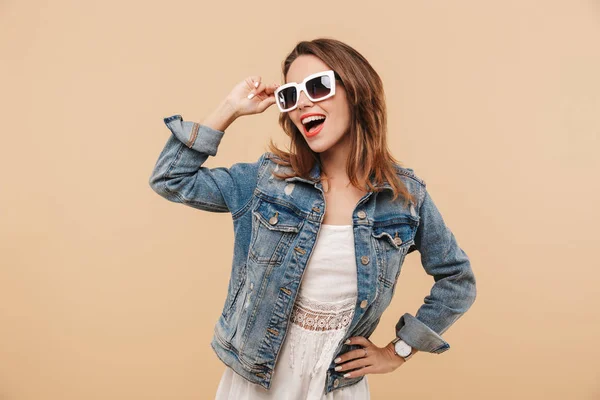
402	349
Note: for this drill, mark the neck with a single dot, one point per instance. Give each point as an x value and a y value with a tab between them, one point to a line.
333	162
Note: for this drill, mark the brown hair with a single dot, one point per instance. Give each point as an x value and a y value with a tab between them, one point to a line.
368	121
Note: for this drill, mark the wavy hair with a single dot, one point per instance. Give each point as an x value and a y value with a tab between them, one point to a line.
369	155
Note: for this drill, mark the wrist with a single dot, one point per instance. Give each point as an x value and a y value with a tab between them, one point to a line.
402	349
221	117
396	359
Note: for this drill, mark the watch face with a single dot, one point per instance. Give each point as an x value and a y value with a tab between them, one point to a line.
402	348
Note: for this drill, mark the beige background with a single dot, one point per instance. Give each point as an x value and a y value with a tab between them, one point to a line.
108	291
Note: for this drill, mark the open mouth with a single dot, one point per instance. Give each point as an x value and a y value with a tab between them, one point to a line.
313	124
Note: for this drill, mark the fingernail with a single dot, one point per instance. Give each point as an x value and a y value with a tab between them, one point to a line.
347	341
338	368
251	95
337	360
347	375
255	84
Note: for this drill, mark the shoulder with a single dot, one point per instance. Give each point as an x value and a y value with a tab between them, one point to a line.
270	156
270	163
409	174
276	163
271	159
413	183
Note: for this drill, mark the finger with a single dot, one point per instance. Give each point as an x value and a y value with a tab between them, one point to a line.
261	87
350	365
360	340
266	103
254	83
270	89
353	355
359	372
356	341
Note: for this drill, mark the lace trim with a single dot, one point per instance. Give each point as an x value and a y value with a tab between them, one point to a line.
318	328
322	316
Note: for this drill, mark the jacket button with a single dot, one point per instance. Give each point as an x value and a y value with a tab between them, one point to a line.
361	214
364	260
397	239
316	209
273	220
336	383
363	304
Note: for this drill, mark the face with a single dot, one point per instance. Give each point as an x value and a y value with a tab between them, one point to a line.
334	109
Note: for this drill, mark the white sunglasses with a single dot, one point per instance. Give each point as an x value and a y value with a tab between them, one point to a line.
317	87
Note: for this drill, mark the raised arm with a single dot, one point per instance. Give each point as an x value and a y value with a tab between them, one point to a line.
180	177
454	289
179	174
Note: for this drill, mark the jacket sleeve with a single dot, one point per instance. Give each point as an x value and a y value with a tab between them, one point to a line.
454	290
180	177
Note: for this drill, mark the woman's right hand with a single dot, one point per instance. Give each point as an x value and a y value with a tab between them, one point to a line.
261	99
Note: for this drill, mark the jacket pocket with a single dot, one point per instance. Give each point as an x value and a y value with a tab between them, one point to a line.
274	228
236	286
393	237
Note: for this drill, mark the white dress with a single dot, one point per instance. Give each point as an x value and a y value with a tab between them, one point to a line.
321	315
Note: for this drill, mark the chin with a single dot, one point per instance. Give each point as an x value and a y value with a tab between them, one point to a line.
320	148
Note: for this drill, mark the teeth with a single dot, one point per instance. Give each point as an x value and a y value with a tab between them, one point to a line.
313	118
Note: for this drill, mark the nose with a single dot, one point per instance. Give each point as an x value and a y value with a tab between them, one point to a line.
303	100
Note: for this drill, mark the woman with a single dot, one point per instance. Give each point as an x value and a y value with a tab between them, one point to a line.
321	233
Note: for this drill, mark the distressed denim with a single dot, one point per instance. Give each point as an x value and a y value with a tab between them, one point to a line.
276	224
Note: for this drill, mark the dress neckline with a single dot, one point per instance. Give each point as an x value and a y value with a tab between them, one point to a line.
337	226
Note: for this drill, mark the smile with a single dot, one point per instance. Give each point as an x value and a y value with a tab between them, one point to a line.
313	123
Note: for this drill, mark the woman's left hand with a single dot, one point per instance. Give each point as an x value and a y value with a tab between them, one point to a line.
378	360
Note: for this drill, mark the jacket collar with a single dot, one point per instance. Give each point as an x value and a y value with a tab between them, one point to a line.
315	174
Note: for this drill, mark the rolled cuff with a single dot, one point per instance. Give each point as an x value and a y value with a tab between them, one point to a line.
194	135
418	335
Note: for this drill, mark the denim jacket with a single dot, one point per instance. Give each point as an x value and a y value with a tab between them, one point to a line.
276	224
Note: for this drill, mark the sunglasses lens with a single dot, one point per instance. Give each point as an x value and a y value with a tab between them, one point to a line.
287	97
319	87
